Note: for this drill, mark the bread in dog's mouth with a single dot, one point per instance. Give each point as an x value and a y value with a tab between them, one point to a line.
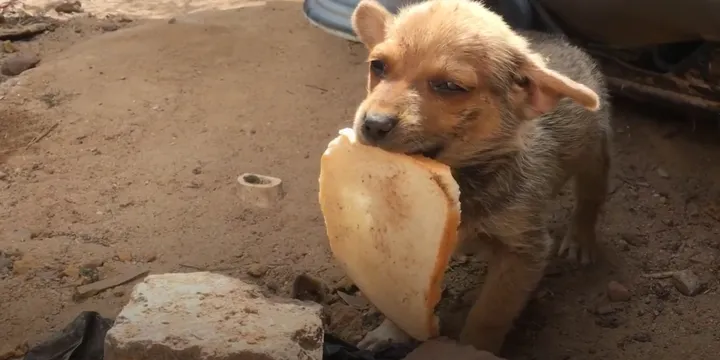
430	152
391	221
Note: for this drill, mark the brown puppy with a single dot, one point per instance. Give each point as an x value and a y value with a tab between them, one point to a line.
515	116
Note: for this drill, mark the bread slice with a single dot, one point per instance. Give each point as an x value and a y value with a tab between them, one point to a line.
392	223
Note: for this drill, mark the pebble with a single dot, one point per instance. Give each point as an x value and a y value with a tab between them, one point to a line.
18	64
257	270
686	282
5	263
617	292
663	174
634	239
72	272
642	337
93	264
24	265
109	26
3	175
124	256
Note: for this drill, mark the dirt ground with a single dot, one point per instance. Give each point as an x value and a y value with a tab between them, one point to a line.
148	128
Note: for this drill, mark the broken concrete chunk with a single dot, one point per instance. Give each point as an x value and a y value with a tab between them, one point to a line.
203	316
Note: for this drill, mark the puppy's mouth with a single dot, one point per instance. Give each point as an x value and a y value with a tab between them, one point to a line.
431	152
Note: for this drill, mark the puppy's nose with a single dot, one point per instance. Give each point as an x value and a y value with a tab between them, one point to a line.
377	126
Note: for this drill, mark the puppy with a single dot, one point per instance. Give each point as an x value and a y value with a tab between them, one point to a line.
515	116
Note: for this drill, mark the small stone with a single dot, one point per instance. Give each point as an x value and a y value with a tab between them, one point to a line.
124	256
3	175
8	47
93	264
663	174
6	263
687	283
642	337
119	293
617	292
18	64
257	270
109	26
24	265
150	257
605	309
72	272
237	321
69	7
634	239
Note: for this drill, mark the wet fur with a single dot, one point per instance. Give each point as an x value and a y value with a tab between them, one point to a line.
513	140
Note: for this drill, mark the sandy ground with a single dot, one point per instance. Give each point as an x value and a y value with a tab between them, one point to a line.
149	127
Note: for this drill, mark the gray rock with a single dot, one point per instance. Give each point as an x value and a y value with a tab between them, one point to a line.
16	65
203	316
687	283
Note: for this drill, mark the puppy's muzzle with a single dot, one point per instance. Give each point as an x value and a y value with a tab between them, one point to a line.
376	126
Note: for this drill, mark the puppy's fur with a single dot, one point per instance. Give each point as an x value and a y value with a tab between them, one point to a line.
514	115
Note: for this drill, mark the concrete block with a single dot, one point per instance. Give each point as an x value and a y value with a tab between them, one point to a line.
206	316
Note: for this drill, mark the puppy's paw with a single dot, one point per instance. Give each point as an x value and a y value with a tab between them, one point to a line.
578	249
382	336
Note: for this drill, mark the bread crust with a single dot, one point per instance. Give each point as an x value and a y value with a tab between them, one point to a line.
383	264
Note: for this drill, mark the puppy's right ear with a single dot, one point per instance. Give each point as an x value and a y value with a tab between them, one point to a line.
369	21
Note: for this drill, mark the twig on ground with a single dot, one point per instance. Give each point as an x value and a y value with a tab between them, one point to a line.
41	136
660	275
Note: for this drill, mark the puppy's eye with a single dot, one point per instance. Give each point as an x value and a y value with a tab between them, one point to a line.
378	67
446	87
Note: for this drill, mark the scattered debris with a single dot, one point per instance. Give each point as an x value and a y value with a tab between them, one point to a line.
85	291
687	283
160	321
355	301
617	292
16	65
8	47
659	275
69	7
24	32
308	288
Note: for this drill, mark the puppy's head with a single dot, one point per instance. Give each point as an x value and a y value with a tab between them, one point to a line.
449	78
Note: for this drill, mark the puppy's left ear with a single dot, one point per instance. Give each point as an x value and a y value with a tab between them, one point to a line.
546	87
369	21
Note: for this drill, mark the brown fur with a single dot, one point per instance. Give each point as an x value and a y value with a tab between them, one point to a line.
534	114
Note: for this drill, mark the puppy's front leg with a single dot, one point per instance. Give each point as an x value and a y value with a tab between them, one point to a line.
511	278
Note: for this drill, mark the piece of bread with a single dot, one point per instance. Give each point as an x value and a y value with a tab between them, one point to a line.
392	223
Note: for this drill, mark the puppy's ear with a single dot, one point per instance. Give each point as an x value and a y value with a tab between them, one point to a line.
545	88
369	21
